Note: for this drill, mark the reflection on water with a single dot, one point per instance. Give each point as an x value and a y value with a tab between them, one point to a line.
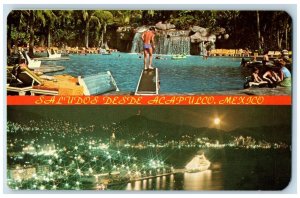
158	183
239	170
197	181
180	181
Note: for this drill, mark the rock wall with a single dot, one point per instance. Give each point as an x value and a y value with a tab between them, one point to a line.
168	40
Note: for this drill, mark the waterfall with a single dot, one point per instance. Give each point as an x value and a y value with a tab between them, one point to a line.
179	45
167	42
201	46
173	45
137	43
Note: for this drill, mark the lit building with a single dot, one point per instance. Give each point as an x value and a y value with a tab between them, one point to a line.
29	149
43	169
121	143
112	140
21	173
240	141
48	149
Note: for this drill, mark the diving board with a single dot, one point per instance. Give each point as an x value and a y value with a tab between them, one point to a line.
148	83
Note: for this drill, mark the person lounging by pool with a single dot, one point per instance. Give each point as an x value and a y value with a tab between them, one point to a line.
256	80
285	75
271	77
149	46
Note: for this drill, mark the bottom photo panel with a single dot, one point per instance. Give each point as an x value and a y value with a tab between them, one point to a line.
140	148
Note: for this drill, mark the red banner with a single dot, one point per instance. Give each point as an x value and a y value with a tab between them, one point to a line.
149	100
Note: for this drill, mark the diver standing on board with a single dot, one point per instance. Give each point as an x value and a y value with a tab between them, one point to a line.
148	40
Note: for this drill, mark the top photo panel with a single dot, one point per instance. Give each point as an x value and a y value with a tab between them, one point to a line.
149	52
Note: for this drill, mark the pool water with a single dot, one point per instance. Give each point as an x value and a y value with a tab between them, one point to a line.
190	75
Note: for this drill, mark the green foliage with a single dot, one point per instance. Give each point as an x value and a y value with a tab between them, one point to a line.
18	36
89	27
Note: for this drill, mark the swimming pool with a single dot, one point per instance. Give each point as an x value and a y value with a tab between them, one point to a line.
189	75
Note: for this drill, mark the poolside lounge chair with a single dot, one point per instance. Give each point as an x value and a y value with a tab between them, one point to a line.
58	85
20	80
24	82
27	77
32	64
40	91
21	91
52	54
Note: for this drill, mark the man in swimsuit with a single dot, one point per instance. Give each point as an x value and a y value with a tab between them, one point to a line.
148	39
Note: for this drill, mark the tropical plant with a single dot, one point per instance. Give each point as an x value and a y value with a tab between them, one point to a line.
251	29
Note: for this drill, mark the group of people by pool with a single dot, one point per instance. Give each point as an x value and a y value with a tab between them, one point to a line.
270	76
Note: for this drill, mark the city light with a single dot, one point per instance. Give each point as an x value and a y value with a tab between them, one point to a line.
79	159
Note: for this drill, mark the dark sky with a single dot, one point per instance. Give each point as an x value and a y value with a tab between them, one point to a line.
198	116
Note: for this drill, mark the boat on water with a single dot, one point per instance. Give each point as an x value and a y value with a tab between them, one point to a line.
197	164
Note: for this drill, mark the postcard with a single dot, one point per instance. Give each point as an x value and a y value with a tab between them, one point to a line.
149	100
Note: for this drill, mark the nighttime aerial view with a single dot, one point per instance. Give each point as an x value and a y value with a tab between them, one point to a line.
138	148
